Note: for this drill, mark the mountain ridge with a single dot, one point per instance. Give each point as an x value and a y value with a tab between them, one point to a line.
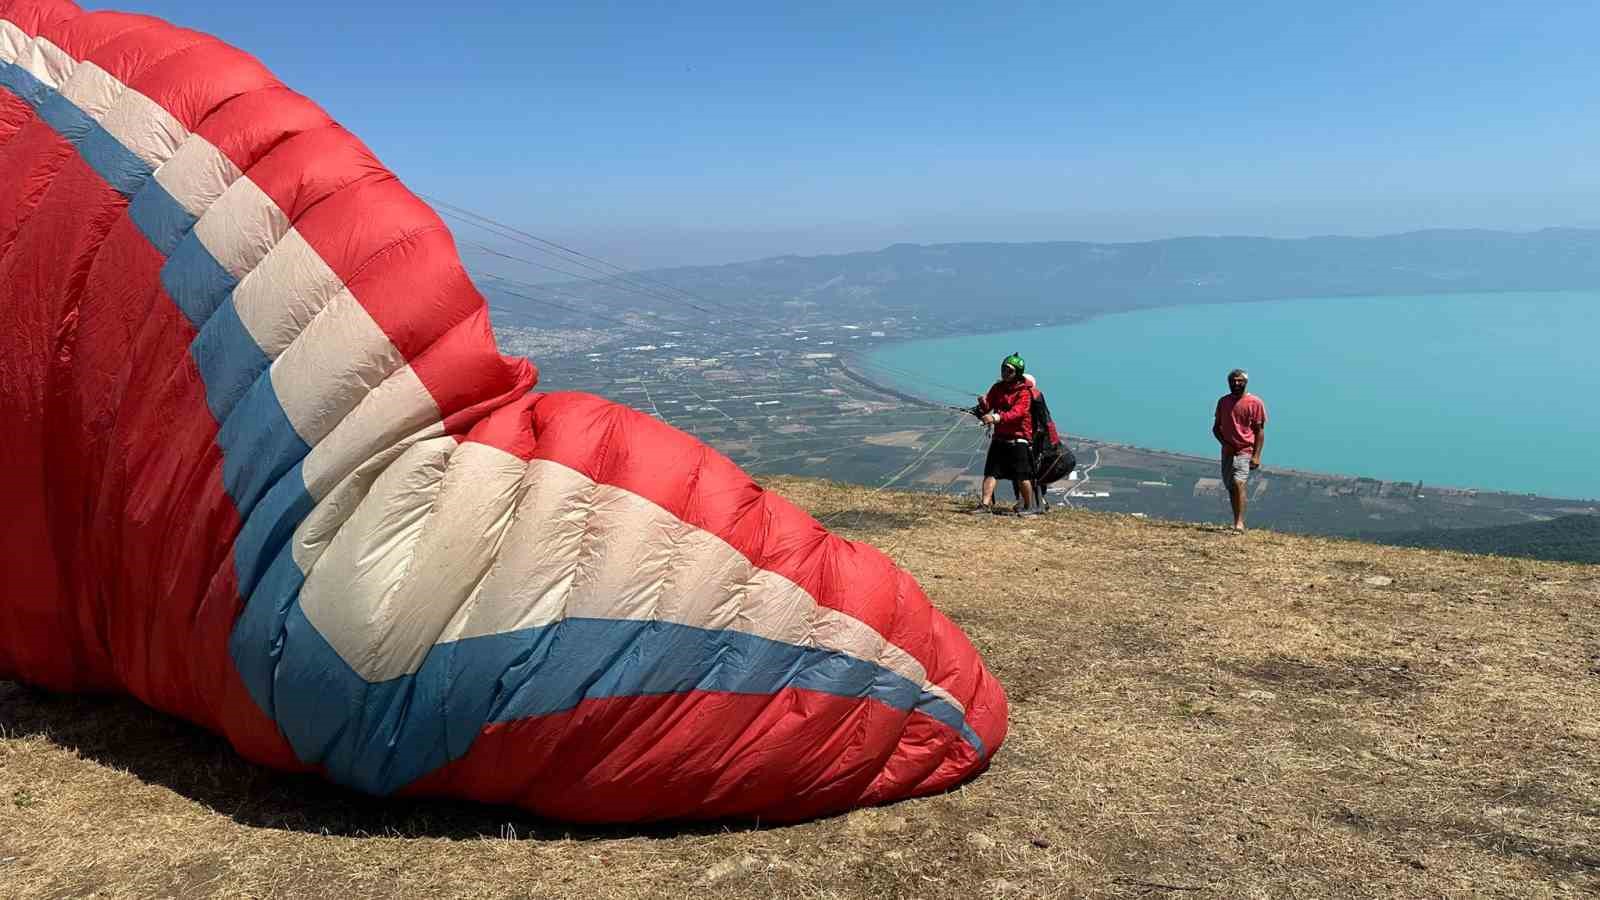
1005	283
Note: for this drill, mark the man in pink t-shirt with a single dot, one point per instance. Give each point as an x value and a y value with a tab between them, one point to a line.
1241	428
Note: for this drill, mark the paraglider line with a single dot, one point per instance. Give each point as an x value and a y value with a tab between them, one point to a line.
638	283
481	248
901	474
617	278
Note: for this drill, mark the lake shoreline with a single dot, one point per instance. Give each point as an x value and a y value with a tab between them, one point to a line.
1372	315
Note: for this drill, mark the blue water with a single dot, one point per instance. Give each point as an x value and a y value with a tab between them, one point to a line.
1490	391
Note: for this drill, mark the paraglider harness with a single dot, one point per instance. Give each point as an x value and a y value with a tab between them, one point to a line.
1052	460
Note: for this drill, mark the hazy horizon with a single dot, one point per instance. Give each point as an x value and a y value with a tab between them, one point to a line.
644	251
718	132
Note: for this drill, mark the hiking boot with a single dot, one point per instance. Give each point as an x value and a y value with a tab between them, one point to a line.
1027	512
982	509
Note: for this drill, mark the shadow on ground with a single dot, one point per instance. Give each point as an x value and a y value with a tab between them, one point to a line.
159	749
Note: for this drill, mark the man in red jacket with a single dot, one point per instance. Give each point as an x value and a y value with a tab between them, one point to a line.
1007	408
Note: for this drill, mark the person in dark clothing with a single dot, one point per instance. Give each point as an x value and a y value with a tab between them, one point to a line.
1006	408
1052	460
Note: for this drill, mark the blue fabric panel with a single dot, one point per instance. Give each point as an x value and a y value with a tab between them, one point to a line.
256	644
259	445
229	360
269	528
160	217
67	119
381	737
195	281
21	82
115	163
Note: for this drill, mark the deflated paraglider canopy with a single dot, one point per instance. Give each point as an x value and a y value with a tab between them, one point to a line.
268	472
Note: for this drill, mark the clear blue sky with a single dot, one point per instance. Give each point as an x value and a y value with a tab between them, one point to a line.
716	131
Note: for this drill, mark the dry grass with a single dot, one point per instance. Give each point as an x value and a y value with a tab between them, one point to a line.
1194	714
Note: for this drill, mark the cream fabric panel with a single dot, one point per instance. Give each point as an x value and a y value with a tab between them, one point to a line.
241	227
284	292
322	524
92	89
197	174
580	549
352	595
399	407
143	126
340	357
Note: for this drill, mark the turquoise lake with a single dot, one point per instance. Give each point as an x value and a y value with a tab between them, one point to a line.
1491	391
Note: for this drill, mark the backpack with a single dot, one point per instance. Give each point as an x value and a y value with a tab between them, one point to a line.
1051	469
1045	440
1052	460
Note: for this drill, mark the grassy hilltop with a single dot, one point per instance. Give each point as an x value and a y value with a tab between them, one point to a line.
1194	714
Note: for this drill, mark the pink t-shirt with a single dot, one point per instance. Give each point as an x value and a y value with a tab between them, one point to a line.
1237	419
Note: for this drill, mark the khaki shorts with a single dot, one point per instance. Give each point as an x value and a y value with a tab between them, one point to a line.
1236	468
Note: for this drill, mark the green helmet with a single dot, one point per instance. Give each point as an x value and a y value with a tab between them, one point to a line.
1015	362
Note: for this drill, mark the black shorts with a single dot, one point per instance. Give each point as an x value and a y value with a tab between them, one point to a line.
1009	460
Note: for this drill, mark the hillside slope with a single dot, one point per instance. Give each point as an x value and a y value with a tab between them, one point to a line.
1194	714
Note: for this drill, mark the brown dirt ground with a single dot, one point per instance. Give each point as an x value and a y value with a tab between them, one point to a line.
1194	714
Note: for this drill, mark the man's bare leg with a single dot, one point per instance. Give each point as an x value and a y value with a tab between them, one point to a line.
988	491
1237	498
1025	489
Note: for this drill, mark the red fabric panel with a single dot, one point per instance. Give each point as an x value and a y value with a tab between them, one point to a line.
165	71
33	15
123	45
467	376
929	758
78	35
248	127
29	161
41	625
641	758
38	622
960	670
510	428
13	115
61	243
